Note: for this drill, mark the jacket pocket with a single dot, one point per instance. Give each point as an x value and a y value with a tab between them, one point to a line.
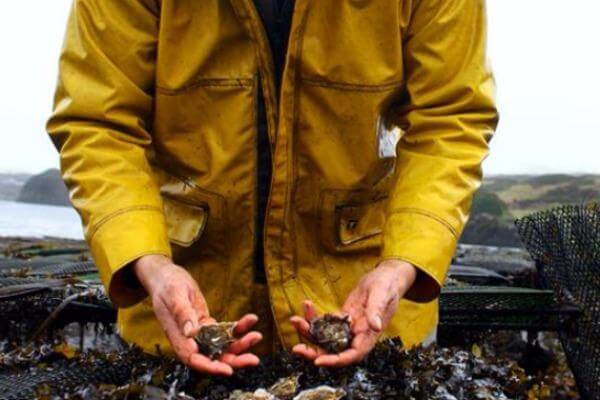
185	222
190	211
352	221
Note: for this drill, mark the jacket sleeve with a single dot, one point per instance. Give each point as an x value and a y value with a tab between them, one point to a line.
100	125
448	116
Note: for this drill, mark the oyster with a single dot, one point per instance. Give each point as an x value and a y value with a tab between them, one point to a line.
213	340
321	393
331	333
260	394
285	388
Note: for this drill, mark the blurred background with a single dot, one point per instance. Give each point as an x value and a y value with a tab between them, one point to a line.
545	151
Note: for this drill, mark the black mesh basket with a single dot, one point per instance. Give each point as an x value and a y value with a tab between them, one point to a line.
503	308
565	244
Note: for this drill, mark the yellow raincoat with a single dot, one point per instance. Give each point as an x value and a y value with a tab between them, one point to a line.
385	113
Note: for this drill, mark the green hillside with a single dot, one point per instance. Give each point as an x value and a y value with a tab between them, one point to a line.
525	194
504	198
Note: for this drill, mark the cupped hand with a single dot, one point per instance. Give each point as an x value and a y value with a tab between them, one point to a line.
181	310
370	306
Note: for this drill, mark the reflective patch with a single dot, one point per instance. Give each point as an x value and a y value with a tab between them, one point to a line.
388	138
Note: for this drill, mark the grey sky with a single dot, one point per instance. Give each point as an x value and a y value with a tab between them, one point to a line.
544	53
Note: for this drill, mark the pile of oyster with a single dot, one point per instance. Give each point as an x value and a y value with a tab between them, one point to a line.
482	371
286	388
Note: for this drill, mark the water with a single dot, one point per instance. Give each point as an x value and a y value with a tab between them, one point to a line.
34	220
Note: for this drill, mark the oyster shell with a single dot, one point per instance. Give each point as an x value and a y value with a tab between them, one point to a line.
259	394
214	339
321	393
331	333
285	388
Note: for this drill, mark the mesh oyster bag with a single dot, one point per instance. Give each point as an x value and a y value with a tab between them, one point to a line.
565	244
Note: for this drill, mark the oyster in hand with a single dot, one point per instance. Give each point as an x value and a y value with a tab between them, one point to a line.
331	333
213	340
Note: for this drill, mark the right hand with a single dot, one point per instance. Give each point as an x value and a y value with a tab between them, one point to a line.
181	310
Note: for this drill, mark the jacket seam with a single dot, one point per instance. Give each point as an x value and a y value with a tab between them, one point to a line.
292	141
353	86
96	227
425	213
207	82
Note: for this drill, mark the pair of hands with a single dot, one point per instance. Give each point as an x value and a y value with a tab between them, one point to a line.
182	310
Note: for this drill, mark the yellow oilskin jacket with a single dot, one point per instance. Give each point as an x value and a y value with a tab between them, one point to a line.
377	135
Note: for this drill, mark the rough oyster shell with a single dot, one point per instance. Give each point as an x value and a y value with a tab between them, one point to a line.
285	388
260	394
213	340
331	333
321	393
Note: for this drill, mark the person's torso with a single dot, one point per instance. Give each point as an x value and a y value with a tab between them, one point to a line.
331	144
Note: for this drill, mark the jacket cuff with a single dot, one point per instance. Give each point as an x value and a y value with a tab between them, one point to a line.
426	242
122	238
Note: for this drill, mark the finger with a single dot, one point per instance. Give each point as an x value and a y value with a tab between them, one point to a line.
204	364
247	341
198	301
184	314
305	351
244	324
201	307
182	346
310	312
354	305
206	321
361	346
240	361
348	357
377	303
301	325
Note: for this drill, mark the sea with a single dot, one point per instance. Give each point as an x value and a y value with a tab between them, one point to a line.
38	221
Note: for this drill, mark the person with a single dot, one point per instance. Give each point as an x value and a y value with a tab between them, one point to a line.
264	162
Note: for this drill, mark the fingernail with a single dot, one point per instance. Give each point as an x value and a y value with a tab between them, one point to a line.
378	323
187	328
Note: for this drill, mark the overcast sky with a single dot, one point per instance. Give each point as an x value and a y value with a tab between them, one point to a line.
544	52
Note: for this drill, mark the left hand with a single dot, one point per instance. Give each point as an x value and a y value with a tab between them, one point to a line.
371	306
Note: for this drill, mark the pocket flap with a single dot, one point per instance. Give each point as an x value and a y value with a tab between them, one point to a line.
185	222
358	223
352	221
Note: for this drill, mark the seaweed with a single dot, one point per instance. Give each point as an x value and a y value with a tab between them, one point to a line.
389	372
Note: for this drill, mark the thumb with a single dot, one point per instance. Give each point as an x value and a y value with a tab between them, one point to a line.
200	306
183	313
376	307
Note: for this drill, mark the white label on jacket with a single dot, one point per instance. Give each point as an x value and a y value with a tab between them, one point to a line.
388	137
